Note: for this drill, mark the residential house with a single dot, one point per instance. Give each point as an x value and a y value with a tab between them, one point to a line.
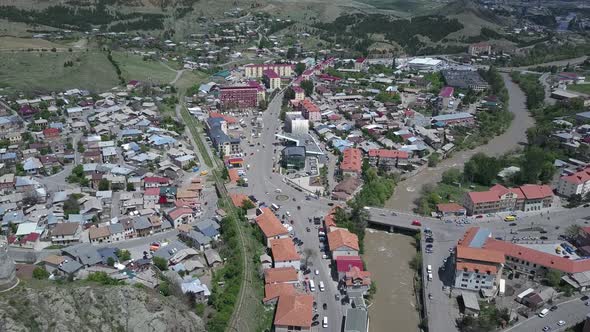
343	243
66	233
577	183
180	215
352	162
294	313
212	257
284	253
100	234
387	160
270	226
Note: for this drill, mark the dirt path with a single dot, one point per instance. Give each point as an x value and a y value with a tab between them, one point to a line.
408	191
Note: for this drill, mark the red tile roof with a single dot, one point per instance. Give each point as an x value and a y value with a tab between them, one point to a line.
156	179
533	191
309	106
342	238
238	199
270	73
449	207
284	250
358	274
472	267
273	291
446	92
280	275
384	153
294	310
479	254
578	177
178	212
152	192
269	224
352	160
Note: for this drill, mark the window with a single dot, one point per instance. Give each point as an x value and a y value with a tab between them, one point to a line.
463	285
464	280
477	281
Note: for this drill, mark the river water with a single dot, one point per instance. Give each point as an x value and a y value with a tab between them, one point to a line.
408	191
387	256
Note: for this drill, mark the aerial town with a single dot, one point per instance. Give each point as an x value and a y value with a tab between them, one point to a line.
252	173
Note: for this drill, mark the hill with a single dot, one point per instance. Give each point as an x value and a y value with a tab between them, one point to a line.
74	307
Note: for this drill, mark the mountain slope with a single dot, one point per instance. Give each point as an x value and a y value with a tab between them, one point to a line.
72	307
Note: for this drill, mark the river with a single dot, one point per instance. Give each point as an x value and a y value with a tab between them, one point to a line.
408	191
387	256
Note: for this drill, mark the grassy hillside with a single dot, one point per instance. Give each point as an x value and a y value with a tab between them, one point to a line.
45	71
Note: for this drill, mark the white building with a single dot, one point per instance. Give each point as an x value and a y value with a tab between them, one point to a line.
425	64
577	183
296	124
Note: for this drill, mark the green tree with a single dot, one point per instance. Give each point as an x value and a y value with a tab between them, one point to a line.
123	255
553	277
104	184
247	204
299	68
573	231
452	176
40	273
433	159
130	186
481	169
110	261
307	86
160	263
291	52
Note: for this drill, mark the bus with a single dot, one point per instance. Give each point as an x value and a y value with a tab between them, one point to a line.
311	286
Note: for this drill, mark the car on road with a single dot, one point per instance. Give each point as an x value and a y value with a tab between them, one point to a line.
416	223
315	323
547	328
325	322
553	308
451	249
317	272
561	323
479	216
512	224
429	246
315	317
308	229
588	303
429	240
585	298
544	238
543	312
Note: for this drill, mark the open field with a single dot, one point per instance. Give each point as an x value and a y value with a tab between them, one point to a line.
44	71
14	43
405	7
133	67
582	88
190	78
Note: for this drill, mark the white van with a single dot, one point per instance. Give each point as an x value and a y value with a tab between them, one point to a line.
429	276
322	286
325	322
429	269
311	286
274	207
543	312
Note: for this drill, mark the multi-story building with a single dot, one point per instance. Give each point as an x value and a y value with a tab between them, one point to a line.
352	162
387	159
66	233
309	110
217	131
294	313
293	157
271	79
477	268
575	184
295	123
299	93
257	70
343	243
499	198
239	96
270	226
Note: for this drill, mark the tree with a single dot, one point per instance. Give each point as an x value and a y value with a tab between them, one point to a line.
300	68
104	184
481	169
288	95
433	159
553	278
247	205
123	255
573	231
130	186
40	273
160	263
110	261
291	52
452	176
307	86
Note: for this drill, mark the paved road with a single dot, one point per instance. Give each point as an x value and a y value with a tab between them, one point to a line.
408	191
264	183
571	312
442	310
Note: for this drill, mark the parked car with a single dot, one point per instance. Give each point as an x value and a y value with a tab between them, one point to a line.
553	308
416	223
429	240
585	298
561	323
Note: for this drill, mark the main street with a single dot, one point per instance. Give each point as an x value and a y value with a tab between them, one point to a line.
264	184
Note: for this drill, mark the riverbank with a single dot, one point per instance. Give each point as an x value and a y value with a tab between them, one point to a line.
387	256
408	191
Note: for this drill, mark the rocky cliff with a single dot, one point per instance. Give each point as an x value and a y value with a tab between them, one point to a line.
72	307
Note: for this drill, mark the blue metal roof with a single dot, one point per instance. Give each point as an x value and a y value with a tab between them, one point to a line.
480	238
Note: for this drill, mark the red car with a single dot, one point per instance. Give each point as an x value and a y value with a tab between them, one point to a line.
416	223
479	216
